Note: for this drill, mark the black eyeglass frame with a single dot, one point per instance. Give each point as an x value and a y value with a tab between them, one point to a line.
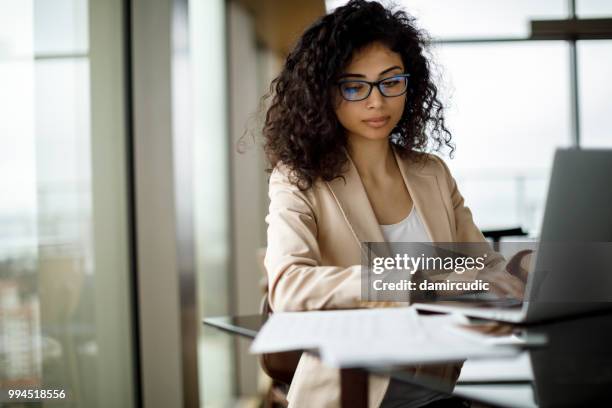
372	85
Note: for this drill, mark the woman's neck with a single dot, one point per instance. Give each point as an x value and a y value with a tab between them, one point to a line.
373	159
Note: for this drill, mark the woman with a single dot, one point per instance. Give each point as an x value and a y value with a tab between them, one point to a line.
353	111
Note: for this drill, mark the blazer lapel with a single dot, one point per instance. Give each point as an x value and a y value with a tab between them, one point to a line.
425	191
353	201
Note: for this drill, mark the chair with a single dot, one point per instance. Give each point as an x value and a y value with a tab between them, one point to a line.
497	235
280	367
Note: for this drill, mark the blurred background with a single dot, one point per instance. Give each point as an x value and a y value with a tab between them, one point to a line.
127	213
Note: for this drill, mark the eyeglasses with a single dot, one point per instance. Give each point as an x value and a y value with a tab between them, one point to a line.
358	89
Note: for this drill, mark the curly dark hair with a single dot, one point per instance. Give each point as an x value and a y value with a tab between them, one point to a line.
301	129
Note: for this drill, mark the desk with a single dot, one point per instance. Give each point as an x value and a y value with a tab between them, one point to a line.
574	368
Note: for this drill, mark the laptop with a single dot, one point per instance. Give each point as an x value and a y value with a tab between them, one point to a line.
578	214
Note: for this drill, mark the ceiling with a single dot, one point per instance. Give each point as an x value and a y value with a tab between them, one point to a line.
278	23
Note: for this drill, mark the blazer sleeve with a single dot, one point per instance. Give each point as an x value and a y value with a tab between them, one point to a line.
296	279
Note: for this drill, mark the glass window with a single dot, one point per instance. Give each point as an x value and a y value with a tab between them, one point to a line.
60	27
593	8
451	19
212	207
508	109
65	320
595	88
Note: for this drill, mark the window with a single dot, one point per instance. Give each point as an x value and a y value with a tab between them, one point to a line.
65	320
593	8
508	110
594	67
212	208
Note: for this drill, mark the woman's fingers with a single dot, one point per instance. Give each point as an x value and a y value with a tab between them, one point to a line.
505	284
520	264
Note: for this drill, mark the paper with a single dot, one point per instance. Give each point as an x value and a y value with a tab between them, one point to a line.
363	337
517	368
304	330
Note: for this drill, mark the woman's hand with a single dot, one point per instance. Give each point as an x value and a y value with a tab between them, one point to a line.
503	283
520	264
509	280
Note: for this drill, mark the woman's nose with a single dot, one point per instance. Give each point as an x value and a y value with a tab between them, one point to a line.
375	99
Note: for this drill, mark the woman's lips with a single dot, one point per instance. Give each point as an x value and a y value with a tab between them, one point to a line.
377	122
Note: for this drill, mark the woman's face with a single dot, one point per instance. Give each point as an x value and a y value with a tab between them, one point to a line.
374	62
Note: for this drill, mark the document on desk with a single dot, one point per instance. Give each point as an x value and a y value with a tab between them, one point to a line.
363	337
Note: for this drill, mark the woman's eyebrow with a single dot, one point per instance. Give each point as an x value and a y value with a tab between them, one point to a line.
363	76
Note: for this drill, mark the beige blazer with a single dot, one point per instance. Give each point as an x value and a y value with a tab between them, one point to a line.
314	254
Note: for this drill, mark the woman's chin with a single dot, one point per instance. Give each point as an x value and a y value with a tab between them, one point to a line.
378	134
371	135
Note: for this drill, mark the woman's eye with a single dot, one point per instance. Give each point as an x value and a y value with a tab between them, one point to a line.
391	83
353	87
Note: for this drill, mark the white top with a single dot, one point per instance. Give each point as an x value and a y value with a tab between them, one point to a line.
410	229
